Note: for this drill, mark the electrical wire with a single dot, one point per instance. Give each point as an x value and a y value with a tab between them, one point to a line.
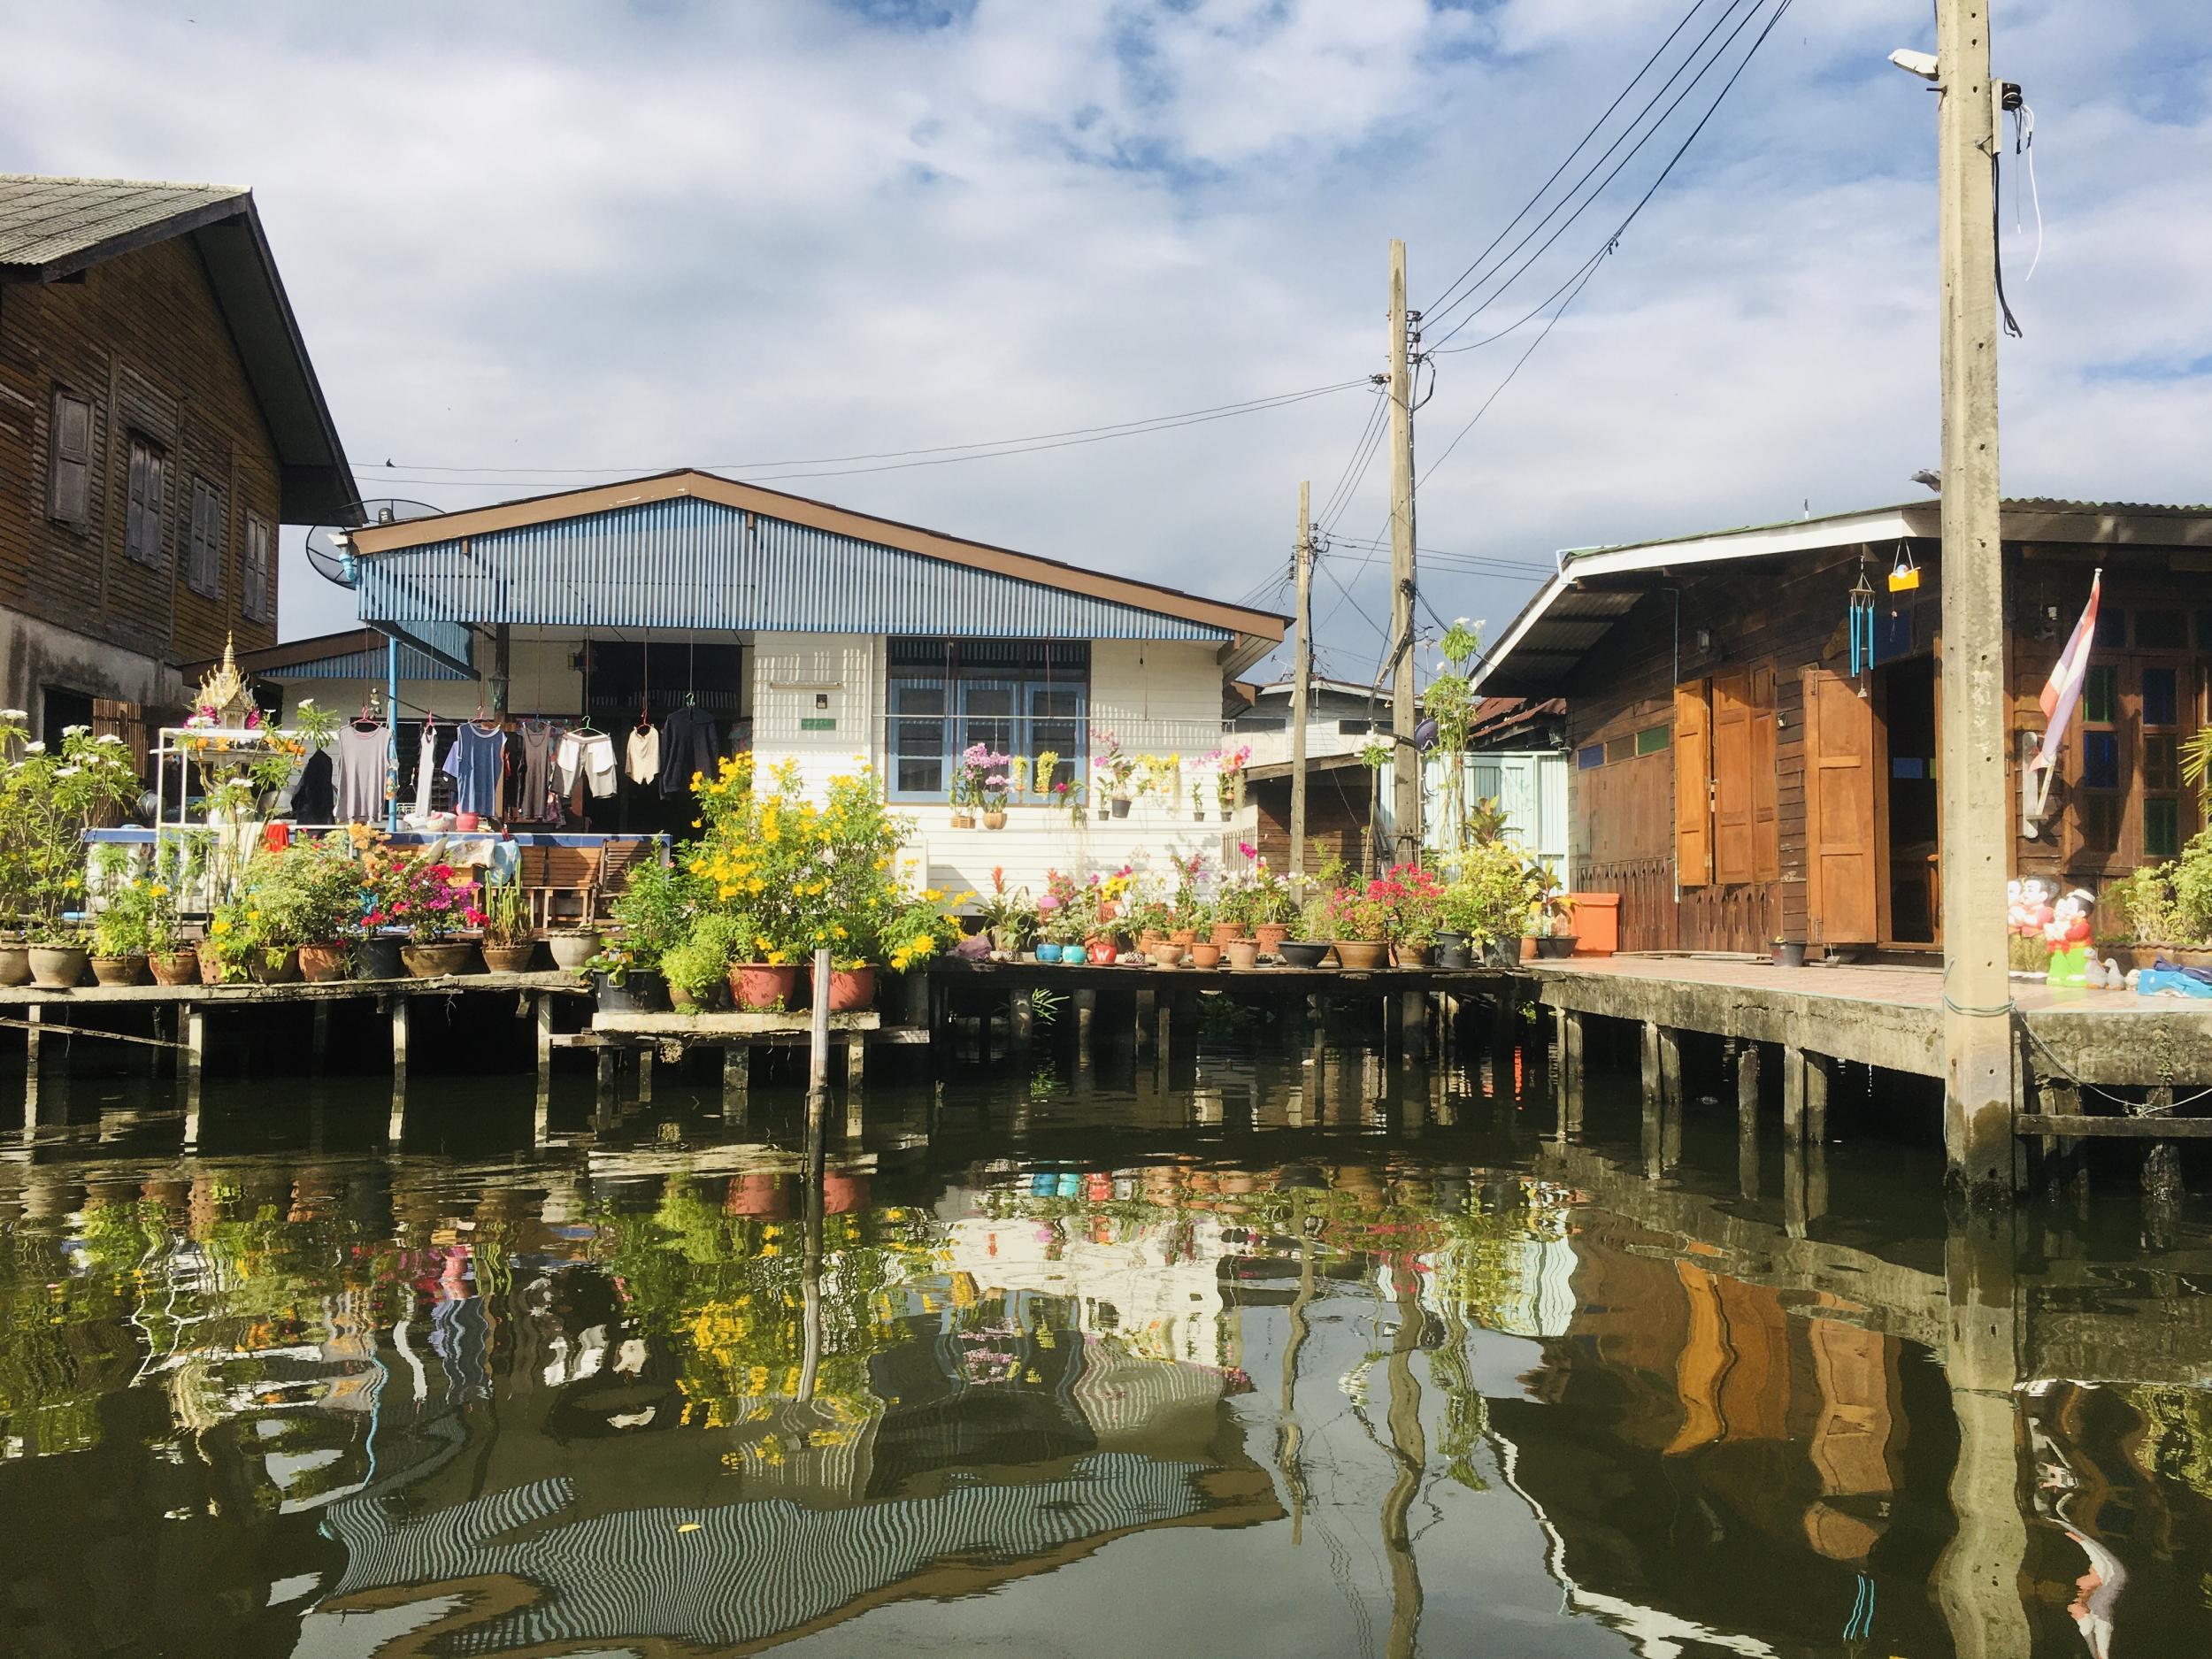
1642	201
1596	126
943	454
1519	362
1361	446
1695	53
1356	475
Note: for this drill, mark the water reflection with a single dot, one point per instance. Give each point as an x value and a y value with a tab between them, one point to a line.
1372	1386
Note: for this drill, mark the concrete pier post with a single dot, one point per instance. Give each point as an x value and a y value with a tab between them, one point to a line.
1978	1577
397	1124
1086	1017
1568	1075
1147	1002
541	1019
1413	1027
1021	1022
31	1057
856	1064
1747	1119
645	1076
1820	1076
319	1039
737	1081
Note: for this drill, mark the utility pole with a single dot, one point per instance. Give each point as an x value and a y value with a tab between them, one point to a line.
1977	824
1405	799
1302	672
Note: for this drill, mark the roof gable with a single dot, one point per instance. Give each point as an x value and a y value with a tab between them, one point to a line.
53	228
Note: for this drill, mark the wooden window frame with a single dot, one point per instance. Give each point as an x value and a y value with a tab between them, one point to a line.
2132	735
69	464
257	571
146	490
203	539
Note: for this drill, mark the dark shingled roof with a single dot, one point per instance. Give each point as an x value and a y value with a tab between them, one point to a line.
53	228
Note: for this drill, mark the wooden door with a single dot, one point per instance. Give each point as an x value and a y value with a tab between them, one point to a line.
1841	877
1766	819
1732	858
1693	787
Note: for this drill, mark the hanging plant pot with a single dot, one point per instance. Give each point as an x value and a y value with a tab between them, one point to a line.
994	820
1363	954
439	960
964	820
850	990
321	963
641	991
1119	805
15	963
378	958
764	987
119	970
1304	953
510	958
175	967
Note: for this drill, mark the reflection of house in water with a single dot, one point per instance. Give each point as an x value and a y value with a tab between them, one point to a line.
1712	1454
997	1440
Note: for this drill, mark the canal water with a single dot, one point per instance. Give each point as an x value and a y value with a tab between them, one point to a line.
1287	1350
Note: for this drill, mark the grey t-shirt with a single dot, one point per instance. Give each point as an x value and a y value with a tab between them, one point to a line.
360	767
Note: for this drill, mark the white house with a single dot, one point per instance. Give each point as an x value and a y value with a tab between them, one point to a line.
813	636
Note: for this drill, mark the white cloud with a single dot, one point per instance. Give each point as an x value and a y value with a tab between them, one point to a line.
575	235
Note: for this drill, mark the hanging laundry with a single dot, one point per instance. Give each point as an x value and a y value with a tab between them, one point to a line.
472	763
361	772
537	761
687	745
644	755
588	757
426	767
315	797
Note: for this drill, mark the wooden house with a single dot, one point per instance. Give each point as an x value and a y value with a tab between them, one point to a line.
158	420
1738	777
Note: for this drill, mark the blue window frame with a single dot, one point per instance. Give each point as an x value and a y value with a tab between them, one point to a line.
1017	697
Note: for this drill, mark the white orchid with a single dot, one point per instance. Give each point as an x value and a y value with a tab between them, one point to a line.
14	714
107	737
75	731
34	747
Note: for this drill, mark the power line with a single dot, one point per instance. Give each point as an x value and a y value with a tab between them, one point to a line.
1596	126
1519	363
1450	556
942	455
1653	132
1356	474
1360	445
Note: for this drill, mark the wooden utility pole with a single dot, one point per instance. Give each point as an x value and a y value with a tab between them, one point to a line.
1405	796
1976	824
1302	672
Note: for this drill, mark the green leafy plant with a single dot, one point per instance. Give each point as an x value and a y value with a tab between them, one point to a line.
47	801
507	916
2146	903
654	910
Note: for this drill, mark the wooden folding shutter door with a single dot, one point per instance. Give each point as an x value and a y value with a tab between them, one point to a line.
1838	810
1766	821
1693	787
1732	779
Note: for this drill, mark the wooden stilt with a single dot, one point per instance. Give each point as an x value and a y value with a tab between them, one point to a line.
1820	1071
318	1041
1413	1027
1794	1215
1086	1013
737	1079
856	1061
32	1043
1148	1004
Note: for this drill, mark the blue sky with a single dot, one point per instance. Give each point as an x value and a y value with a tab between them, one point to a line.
572	235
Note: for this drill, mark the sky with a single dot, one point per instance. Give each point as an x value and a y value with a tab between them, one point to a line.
751	237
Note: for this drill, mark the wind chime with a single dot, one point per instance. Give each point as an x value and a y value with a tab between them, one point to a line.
1862	620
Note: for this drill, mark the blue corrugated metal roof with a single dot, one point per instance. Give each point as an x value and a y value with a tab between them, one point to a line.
362	665
686	563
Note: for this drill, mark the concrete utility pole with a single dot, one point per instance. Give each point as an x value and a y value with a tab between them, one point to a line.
1977	823
1302	672
1405	798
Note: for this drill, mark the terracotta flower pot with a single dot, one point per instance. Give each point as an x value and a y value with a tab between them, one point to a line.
716	997
1166	955
178	967
1363	954
282	969
437	961
1184	936
1416	955
119	970
850	990
15	963
1271	935
764	987
1205	954
321	963
1151	939
573	947
1243	953
1224	932
58	967
211	970
1528	947
510	958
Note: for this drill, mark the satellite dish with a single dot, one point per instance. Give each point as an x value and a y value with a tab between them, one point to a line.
330	546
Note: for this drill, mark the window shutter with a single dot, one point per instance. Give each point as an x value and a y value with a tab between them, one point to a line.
1732	859
1693	787
253	594
1766	819
69	471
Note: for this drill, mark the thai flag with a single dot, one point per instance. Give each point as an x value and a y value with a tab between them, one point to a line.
2063	690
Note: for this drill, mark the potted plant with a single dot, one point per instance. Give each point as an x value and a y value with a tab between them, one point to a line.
1113	767
1242	953
120	931
1415	903
171	957
1009	917
572	947
697	967
621	982
965	788
435	902
1551	913
47	801
59	956
1358	921
1309	945
1788	953
992	786
509	943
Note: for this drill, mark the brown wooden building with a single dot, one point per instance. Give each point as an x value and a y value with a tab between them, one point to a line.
158	420
1735	781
